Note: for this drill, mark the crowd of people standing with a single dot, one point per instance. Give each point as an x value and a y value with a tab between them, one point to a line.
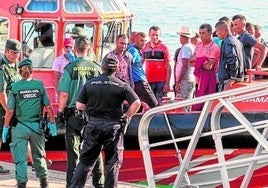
208	61
97	101
220	59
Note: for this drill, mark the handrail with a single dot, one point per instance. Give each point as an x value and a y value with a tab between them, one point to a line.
251	72
225	98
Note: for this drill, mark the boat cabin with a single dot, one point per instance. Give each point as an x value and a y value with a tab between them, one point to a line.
45	23
42	25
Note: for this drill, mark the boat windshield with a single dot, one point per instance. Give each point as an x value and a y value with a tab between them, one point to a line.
77	6
40	40
42	6
106	6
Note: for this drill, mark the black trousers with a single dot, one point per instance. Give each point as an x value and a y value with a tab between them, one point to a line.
145	93
100	135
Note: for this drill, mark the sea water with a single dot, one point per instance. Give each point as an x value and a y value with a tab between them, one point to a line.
170	15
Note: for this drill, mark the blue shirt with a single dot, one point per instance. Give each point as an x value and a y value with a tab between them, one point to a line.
231	64
138	72
248	42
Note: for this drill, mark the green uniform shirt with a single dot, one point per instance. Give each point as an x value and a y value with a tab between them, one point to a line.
27	98
8	75
75	76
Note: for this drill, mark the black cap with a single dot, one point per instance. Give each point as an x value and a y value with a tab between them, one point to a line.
25	62
14	45
109	63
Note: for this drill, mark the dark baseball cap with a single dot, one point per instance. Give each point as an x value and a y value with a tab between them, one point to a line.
14	45
109	63
25	62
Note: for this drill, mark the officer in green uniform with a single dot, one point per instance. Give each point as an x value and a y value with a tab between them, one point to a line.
8	75
74	76
26	101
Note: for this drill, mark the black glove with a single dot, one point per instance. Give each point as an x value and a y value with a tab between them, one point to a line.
60	120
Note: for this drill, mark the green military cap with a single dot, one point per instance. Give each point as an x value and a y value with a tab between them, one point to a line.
25	62
14	45
78	31
82	39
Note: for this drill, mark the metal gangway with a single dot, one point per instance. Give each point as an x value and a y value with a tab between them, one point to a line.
226	100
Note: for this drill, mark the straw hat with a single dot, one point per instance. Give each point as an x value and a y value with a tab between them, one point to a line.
186	31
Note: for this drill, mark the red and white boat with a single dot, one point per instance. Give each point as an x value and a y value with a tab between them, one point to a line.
206	149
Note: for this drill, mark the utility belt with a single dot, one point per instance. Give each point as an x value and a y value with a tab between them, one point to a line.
42	126
123	121
73	111
78	122
93	118
13	121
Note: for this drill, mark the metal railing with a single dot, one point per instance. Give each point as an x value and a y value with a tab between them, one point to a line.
225	101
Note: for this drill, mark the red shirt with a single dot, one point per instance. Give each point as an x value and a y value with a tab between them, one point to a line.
155	59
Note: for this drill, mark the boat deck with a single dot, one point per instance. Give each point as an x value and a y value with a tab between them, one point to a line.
56	179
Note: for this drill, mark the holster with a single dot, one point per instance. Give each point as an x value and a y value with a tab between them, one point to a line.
124	121
43	125
69	112
13	122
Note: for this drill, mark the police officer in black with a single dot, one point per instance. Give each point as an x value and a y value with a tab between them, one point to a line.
102	98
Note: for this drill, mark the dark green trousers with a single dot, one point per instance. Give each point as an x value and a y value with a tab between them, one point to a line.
22	134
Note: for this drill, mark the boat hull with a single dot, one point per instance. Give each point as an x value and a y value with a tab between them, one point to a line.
182	125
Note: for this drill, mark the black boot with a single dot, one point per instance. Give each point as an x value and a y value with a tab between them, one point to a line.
44	183
21	185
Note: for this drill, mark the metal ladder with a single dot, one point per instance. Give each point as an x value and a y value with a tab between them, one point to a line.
226	100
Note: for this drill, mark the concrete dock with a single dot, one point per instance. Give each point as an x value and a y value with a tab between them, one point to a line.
56	179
